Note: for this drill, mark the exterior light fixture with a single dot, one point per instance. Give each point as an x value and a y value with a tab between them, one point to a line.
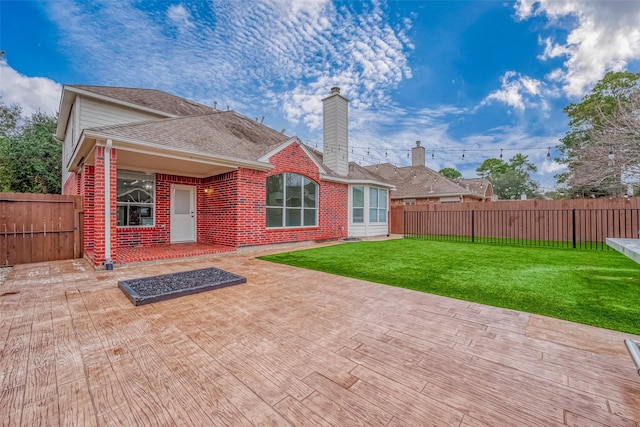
548	153
501	153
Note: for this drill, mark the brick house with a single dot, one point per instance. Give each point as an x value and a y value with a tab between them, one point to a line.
156	169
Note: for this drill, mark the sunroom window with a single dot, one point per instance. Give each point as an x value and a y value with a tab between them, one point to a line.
377	205
358	204
292	201
136	199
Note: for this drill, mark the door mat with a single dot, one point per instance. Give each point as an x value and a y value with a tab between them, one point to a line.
147	290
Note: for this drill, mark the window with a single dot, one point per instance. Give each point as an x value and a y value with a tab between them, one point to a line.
136	199
377	205
358	204
292	201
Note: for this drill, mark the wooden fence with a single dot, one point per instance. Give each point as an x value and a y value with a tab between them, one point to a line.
568	223
39	227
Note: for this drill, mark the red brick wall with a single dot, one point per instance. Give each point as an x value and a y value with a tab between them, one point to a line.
233	211
72	184
333	204
86	190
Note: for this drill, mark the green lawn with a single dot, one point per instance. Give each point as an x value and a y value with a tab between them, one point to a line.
600	288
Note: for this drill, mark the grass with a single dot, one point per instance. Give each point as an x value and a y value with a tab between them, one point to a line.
584	245
599	288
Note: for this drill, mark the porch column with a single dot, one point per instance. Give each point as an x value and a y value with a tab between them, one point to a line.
105	232
107	205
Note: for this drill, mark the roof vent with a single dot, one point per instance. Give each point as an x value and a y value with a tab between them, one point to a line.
417	143
335	90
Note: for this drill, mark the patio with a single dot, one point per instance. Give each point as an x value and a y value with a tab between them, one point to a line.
293	347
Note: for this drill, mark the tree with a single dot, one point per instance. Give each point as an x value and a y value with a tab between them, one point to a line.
510	180
450	173
492	167
609	160
9	118
587	119
30	157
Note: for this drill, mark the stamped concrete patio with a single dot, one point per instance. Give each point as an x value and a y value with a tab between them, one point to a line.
293	347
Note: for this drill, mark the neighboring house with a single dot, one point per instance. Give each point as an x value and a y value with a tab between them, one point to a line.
417	184
157	169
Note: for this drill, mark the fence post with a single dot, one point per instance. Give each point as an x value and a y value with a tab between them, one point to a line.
473	224
404	226
573	227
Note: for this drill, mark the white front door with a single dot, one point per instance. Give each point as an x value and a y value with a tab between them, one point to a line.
183	213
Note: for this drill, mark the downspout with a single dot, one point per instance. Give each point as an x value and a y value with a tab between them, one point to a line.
107	205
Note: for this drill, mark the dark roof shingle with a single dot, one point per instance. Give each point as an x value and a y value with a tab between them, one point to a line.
149	98
222	133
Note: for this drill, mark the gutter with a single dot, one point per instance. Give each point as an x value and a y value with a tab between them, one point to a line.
356	181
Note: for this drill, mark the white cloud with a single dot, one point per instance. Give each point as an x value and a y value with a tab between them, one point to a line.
518	92
551	167
180	16
605	37
33	94
291	50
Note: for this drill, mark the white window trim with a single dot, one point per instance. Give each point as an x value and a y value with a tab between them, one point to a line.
284	207
367	206
152	205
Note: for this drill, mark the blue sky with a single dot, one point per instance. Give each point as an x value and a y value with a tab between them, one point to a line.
472	77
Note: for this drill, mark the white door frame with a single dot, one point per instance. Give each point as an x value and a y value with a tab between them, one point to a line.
183	226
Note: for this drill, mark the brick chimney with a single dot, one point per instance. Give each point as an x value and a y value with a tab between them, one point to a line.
417	155
335	132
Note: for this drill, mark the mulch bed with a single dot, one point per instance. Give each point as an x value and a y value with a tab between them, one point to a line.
167	286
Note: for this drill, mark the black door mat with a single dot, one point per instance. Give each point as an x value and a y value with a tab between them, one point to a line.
167	286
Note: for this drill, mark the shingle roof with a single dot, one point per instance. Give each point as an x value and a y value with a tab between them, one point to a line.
149	98
417	182
222	133
356	172
476	185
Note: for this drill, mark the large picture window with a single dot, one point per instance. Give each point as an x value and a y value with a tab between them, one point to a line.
292	201
136	199
377	205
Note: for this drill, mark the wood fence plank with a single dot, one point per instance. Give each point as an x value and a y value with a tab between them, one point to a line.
39	227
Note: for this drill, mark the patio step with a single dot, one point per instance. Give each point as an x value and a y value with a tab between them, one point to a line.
634	352
628	247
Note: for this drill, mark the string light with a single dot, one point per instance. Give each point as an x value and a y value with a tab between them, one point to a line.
372	155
